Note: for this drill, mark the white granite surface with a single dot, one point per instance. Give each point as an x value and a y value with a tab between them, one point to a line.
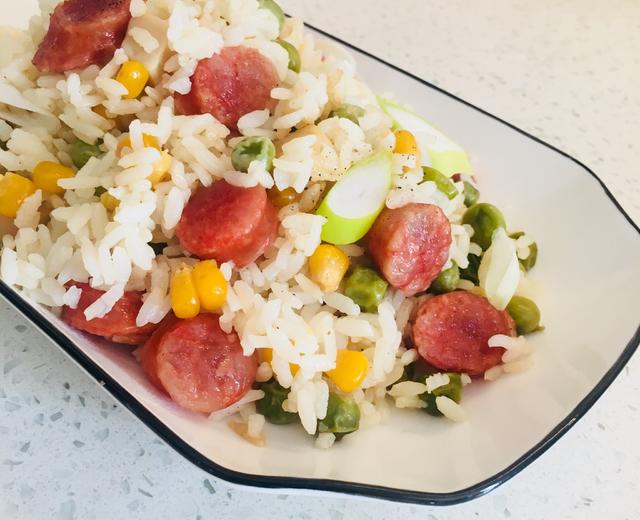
567	71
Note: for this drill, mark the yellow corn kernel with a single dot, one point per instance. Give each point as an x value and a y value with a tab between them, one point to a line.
266	354
351	369
46	175
148	140
184	296
14	189
134	76
210	285
101	110
282	198
327	266
160	168
109	201
406	144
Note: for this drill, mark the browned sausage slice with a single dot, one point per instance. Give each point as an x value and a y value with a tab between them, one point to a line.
451	332
118	325
200	366
410	245
82	33
229	85
225	222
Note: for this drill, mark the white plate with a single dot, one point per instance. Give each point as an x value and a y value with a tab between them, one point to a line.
590	266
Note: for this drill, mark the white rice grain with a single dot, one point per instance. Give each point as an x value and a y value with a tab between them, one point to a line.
389	342
306	407
173	206
436	381
465	285
493	373
321	398
309	287
53	290
407	389
412	401
105	303
9	266
503	341
253	119
144	38
354	327
226	268
352	250
255	424
264	372
28	215
72	297
450	409
250	397
28	275
111	87
324	441
137	8
342	303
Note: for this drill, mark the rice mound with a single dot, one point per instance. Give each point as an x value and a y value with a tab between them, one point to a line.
57	239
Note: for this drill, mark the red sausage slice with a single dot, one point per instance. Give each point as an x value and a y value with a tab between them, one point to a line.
229	85
82	33
451	332
200	366
410	245
118	325
225	222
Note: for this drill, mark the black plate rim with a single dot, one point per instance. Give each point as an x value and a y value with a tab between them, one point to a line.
337	486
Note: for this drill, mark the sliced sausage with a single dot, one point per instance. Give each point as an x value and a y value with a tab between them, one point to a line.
200	366
410	245
82	33
225	222
118	325
451	332
229	85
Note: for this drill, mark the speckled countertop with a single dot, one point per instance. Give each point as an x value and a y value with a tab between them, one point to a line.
566	71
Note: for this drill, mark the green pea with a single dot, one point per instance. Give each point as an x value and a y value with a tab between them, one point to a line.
447	280
271	404
443	183
525	313
471	194
351	112
294	55
343	416
529	262
365	287
253	149
471	271
275	9
484	218
81	152
452	390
